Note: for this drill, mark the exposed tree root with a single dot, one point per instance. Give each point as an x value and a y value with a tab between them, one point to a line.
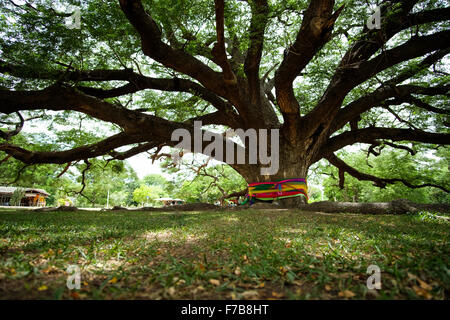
51	209
400	206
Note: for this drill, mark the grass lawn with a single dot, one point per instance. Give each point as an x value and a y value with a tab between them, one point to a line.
249	254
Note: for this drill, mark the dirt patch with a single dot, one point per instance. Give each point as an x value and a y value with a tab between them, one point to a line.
184	207
51	209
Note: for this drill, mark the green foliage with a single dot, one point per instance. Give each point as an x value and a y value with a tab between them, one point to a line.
64	202
314	193
106	40
17	196
155	180
426	216
204	187
116	177
147	194
423	168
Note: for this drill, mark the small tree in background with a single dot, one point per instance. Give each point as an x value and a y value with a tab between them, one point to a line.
147	194
17	196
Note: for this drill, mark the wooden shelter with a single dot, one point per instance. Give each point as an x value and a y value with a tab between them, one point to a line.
33	197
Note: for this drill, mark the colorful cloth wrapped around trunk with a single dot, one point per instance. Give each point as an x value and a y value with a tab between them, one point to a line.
280	189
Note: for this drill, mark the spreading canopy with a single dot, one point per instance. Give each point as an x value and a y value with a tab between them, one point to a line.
141	69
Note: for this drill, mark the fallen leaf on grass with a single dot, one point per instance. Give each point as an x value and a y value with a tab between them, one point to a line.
49	269
424	285
411	276
171	291
327	288
42	288
201	267
422	292
283	270
277	295
249	294
199	288
346	294
178	282
113	280
214	282
75	295
298	282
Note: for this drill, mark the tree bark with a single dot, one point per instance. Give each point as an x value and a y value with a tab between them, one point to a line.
400	206
292	164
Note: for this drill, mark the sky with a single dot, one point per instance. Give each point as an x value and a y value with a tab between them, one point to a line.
143	166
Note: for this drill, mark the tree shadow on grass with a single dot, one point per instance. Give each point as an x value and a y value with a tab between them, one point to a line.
283	247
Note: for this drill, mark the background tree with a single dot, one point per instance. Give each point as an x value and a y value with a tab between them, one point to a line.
205	182
147	194
98	177
395	164
155	179
17	196
136	71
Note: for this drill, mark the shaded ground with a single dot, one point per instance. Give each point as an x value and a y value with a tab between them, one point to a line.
249	254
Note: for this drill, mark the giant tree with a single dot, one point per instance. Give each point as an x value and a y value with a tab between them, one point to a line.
312	69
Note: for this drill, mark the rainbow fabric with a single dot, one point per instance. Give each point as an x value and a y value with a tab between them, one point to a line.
280	189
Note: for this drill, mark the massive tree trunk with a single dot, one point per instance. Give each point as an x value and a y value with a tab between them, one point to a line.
292	164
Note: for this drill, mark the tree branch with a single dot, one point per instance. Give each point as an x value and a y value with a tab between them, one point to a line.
133	151
315	31
425	63
60	157
138	127
355	69
376	98
369	135
136	82
379	182
7	135
175	59
413	48
253	59
218	50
